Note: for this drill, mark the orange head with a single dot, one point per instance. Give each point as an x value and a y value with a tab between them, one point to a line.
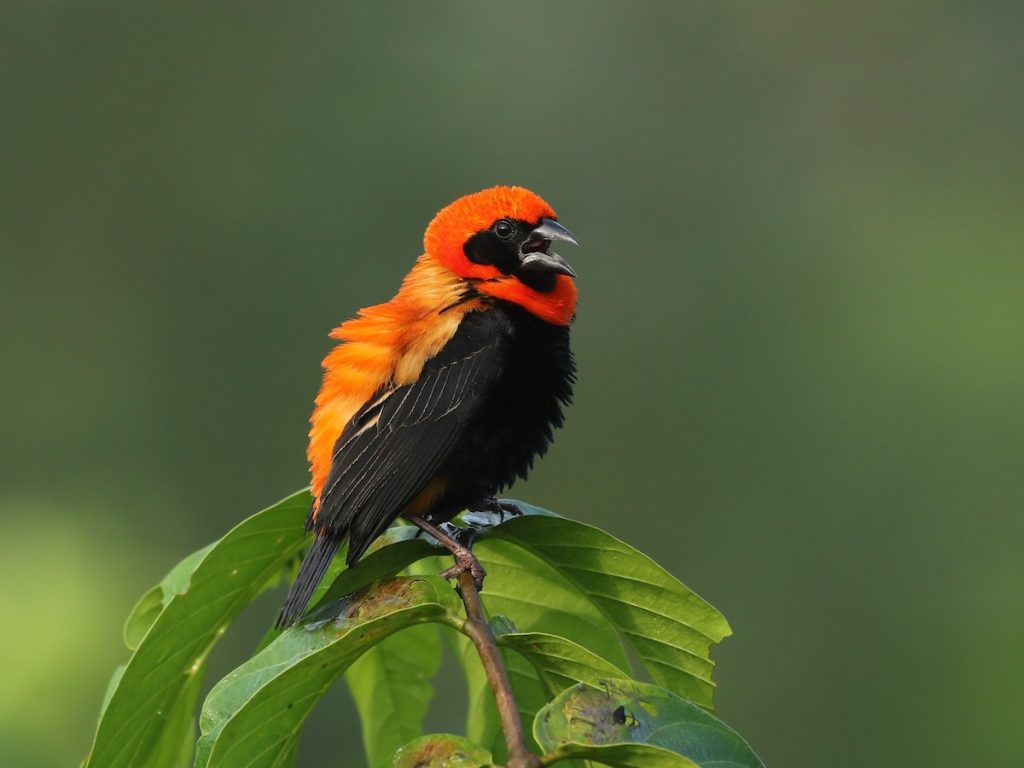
499	241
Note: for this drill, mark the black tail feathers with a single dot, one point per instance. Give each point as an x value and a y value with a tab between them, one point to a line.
310	573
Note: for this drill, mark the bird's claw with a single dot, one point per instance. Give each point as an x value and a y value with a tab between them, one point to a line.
499	508
510	509
466	561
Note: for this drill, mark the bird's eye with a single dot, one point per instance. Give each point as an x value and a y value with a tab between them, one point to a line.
504	229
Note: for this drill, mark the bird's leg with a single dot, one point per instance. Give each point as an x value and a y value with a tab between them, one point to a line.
499	508
465	560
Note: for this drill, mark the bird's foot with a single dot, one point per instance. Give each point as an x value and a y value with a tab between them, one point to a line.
465	561
510	509
499	508
457	541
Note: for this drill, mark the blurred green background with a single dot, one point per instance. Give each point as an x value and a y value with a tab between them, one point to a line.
799	337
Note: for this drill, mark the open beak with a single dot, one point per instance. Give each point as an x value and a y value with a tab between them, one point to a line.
535	255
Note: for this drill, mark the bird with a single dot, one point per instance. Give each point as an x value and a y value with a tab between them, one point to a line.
433	402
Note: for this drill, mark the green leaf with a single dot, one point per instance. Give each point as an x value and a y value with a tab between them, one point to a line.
502	625
143	616
408	659
441	750
145	612
626	723
557	663
669	626
560	577
542	666
400	550
252	717
177	580
391	686
623	756
115	680
560	663
534	597
391	553
200	596
177	738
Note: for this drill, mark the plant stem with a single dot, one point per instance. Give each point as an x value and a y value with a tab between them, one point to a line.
478	629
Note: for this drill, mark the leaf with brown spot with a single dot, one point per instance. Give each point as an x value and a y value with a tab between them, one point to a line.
636	725
253	716
441	750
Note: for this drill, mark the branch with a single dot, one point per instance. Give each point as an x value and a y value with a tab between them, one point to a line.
478	629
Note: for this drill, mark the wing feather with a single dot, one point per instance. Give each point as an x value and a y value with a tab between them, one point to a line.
391	449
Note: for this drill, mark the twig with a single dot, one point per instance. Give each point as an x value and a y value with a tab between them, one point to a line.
477	629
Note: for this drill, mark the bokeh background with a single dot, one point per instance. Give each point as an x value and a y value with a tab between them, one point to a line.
800	335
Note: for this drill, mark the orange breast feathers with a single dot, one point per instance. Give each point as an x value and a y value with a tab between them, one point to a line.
385	343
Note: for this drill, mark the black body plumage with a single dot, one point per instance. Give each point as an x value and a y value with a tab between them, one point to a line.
480	412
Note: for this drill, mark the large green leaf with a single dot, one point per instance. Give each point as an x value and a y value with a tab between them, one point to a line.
621	756
145	612
571	588
535	597
669	626
483	725
626	723
390	682
177	738
568	579
556	663
390	554
394	551
559	663
391	687
252	717
441	750
143	616
151	707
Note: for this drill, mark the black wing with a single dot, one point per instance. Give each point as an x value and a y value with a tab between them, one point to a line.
395	445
